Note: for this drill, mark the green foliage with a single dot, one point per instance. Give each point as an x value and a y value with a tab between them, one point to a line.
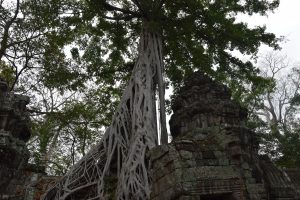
208	40
6	72
82	53
290	149
197	35
273	103
295	101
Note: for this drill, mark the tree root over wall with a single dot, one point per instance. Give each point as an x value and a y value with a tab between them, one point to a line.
122	150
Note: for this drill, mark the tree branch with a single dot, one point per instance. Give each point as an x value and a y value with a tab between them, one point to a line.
272	110
27	58
41	112
110	7
25	40
6	31
125	18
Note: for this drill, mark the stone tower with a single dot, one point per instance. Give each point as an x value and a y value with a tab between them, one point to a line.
213	154
14	133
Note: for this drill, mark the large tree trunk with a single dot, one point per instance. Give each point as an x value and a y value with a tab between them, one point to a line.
121	152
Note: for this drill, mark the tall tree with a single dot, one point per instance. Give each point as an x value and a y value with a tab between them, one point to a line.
182	35
32	60
15	40
279	108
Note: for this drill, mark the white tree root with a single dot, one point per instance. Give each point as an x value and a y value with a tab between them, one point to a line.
122	150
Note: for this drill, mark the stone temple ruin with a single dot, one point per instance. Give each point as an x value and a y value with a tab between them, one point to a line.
213	155
18	179
14	133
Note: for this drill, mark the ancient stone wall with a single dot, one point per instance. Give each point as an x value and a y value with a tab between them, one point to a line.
14	133
213	154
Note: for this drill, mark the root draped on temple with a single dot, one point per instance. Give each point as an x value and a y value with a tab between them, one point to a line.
122	150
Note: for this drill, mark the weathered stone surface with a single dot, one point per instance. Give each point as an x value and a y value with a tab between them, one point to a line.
18	179
277	180
202	103
213	155
14	133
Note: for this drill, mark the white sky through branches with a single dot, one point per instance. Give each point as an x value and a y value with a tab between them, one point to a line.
285	21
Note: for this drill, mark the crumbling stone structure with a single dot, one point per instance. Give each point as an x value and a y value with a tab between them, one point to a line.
14	133
213	154
18	179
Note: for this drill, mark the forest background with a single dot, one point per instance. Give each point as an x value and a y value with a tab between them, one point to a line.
75	67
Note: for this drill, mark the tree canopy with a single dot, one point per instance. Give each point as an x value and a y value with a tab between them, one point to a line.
103	37
82	52
276	110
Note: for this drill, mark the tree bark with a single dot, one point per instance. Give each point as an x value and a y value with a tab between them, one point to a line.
121	152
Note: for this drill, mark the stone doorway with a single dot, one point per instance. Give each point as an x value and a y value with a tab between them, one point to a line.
227	196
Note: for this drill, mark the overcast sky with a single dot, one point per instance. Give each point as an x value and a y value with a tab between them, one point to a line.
285	21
